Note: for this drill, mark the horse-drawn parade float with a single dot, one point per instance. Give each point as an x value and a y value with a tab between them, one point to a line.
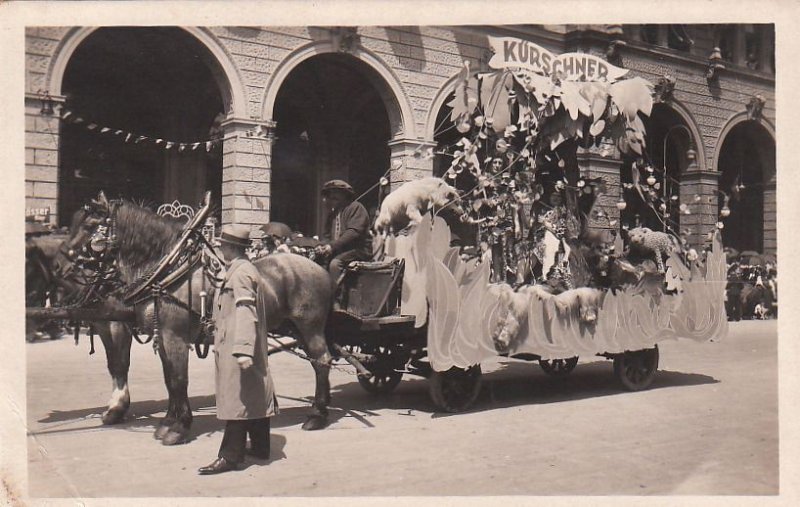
507	253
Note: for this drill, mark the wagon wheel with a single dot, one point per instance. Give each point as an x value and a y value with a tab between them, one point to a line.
384	377
636	369
558	368
456	389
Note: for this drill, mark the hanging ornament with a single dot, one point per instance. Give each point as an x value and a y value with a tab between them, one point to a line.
662	207
581	183
657	186
384	181
651	180
561	163
720	225
128	137
621	205
208	145
479	121
104	130
463	126
725	211
674	198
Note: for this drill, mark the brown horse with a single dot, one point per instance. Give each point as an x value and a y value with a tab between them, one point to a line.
294	290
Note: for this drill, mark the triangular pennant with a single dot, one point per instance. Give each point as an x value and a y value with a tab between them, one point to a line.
195	146
140	139
91	126
208	145
182	147
128	138
66	114
104	130
159	141
118	132
170	145
78	120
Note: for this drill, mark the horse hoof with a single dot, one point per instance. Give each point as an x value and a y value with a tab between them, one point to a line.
174	438
161	432
315	422
113	417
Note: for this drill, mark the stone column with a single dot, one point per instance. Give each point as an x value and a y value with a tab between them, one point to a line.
246	163
594	165
704	213
739	46
770	217
766	47
663	35
408	160
41	156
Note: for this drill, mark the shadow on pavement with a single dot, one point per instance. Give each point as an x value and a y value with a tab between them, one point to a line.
513	384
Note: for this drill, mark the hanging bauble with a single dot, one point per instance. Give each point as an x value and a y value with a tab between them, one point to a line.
621	205
561	163
384	182
662	207
725	211
463	127
479	121
720	225
651	180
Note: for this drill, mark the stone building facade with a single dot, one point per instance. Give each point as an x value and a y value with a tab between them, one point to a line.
289	107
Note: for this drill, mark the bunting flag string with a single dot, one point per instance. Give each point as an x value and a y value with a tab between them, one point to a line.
72	117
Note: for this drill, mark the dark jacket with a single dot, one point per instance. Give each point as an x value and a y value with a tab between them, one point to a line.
353	230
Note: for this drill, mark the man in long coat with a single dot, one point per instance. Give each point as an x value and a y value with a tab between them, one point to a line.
244	389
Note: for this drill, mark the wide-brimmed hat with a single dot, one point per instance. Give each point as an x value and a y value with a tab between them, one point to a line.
340	185
236	235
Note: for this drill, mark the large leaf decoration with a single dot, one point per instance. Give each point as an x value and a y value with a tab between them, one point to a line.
632	96
596	94
466	95
541	87
573	100
495	98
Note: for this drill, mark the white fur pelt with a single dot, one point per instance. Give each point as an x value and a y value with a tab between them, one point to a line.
582	304
406	205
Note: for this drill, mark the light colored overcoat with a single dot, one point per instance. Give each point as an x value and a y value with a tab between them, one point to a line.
250	393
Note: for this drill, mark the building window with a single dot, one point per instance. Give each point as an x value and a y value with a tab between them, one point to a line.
727	41
649	34
678	38
752	44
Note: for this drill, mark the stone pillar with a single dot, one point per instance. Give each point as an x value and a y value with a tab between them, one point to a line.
704	213
246	163
41	156
663	35
409	161
770	217
593	165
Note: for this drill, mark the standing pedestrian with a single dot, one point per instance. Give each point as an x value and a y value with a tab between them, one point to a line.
244	390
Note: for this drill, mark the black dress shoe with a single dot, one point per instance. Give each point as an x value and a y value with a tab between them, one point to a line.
218	466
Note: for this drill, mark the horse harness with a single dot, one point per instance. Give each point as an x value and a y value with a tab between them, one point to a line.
103	280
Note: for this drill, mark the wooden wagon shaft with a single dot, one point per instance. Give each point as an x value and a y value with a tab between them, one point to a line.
85	314
362	371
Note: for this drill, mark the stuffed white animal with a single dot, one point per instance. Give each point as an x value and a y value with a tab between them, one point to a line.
405	206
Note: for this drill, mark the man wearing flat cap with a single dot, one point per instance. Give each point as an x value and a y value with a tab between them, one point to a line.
244	389
346	232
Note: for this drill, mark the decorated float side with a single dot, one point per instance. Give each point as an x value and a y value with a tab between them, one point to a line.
523	273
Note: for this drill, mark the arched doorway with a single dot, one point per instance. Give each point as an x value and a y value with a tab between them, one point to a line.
332	122
747	167
668	144
154	82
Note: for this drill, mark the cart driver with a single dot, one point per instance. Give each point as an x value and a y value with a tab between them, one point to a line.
346	234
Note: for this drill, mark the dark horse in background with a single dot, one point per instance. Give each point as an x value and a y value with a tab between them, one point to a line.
293	291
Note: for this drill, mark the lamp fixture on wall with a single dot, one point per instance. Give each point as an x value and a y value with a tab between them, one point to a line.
715	65
47	103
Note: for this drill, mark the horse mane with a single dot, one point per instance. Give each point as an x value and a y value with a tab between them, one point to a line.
143	237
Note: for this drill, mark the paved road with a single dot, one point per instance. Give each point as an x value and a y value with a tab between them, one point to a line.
708	425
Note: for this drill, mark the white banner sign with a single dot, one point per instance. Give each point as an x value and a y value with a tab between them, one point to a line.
510	52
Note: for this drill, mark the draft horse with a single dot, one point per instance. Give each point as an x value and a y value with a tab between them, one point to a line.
294	293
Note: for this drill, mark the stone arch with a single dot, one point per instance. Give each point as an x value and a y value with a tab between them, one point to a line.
732	122
221	64
438	101
689	121
383	78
